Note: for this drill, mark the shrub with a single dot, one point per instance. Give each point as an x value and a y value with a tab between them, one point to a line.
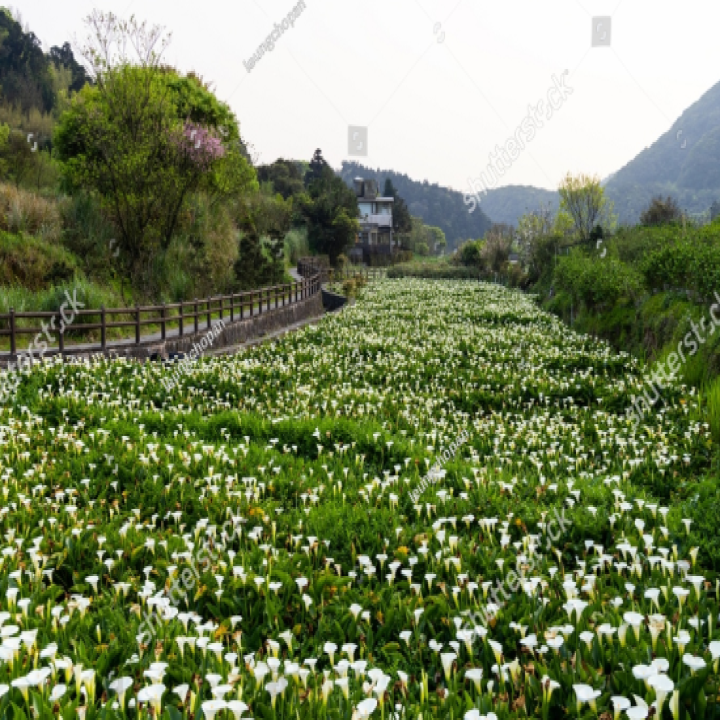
296	245
470	253
661	212
516	277
597	282
690	263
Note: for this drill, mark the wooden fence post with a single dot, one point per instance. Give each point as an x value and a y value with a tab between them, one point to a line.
13	343
61	335
196	313
137	324
180	316
103	329
163	315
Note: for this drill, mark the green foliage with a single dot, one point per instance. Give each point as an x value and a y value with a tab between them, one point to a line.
89	235
423	239
330	209
125	140
661	212
470	254
200	259
264	221
285	175
691	262
583	198
296	245
711	400
597	282
402	220
28	76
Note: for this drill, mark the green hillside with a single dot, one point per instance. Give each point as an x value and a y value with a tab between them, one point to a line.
684	163
507	204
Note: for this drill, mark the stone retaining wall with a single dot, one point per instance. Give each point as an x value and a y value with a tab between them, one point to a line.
240	331
332	301
234	333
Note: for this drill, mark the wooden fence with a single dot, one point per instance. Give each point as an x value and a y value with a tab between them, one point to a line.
186	316
367	273
312	266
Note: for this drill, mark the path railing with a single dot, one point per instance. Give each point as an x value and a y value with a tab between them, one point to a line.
346	274
168	319
311	266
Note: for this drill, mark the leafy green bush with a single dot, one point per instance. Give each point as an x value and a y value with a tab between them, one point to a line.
691	263
470	254
597	282
296	245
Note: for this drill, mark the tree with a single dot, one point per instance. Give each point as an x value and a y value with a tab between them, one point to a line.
63	57
530	227
417	239
714	210
496	251
583	198
436	239
402	221
264	220
285	176
470	253
661	212
317	169
330	210
144	139
25	74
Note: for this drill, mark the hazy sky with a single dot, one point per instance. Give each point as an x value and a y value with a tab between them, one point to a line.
438	83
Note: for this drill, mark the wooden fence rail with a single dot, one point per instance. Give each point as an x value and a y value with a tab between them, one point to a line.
237	306
307	267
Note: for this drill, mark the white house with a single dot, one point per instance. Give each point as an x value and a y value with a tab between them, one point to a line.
376	221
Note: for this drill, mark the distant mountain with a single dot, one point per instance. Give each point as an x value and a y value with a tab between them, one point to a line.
507	204
684	163
436	205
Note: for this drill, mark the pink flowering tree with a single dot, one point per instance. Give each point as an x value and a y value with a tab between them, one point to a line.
201	146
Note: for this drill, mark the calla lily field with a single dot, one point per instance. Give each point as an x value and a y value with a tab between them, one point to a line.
254	541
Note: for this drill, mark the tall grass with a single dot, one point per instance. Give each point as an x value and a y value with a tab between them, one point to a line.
296	245
22	211
711	403
33	263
